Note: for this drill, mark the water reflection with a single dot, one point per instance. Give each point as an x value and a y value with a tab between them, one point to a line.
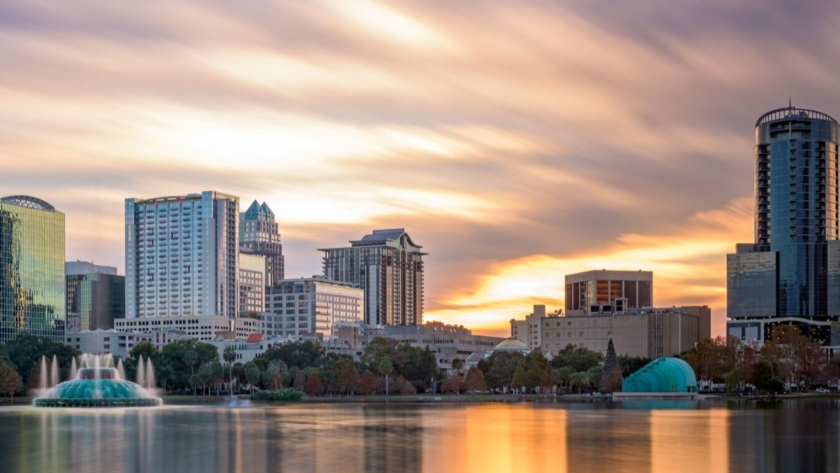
793	436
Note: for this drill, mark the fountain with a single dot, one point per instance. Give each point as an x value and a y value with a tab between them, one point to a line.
97	384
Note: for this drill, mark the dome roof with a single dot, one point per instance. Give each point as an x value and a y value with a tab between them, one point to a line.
663	375
512	344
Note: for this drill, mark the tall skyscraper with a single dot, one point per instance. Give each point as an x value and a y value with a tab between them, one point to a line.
253	276
259	235
389	267
76	272
182	256
785	273
31	269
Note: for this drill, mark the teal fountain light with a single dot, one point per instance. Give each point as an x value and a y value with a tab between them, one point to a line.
96	386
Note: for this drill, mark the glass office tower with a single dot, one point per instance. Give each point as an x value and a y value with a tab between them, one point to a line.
785	273
31	269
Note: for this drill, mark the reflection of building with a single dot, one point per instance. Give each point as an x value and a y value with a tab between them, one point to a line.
31	269
783	277
650	333
295	307
253	279
605	292
388	266
259	235
181	256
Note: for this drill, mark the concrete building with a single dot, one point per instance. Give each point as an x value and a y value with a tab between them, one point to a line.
116	342
253	278
446	341
182	256
296	307
259	235
650	333
529	331
789	274
246	349
605	292
388	266
243	327
203	328
32	278
76	272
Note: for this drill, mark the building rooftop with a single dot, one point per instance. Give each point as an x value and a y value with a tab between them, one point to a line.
511	344
28	202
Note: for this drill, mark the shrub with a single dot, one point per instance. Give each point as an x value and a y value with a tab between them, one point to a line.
286	395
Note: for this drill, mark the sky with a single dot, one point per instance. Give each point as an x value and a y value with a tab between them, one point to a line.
516	141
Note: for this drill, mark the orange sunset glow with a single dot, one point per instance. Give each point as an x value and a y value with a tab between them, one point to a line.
517	142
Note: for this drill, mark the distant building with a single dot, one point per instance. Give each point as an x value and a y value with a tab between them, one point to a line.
182	256
295	307
605	292
790	273
116	342
243	327
513	344
32	278
203	328
253	278
448	342
649	333
259	235
529	331
246	349
104	298
388	266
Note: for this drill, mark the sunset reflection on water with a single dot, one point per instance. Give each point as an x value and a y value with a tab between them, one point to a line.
468	438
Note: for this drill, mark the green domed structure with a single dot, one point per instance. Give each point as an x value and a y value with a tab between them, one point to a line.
97	387
663	375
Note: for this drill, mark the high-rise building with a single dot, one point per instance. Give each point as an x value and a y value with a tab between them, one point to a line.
253	278
182	256
258	234
784	275
31	269
75	272
605	292
388	265
295	307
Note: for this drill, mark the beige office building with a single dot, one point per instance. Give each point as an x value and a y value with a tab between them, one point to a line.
605	292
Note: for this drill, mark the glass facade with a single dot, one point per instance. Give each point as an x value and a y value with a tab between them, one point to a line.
796	192
31	269
751	282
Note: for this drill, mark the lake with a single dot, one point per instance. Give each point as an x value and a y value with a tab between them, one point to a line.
634	436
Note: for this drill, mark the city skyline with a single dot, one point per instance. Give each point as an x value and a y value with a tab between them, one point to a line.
514	163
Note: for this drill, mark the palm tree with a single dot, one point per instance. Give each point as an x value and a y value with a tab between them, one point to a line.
385	368
229	356
457	365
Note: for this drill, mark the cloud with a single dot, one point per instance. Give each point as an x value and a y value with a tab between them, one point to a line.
512	139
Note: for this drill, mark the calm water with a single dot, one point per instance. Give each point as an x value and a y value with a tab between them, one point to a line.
641	437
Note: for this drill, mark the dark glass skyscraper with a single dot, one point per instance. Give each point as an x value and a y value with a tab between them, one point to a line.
785	272
31	269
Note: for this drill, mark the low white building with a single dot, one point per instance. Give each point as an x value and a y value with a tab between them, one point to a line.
246	350
201	327
118	343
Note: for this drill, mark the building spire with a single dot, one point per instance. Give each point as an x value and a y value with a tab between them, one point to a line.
790	102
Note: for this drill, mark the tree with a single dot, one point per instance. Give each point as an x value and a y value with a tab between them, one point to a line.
229	355
144	349
190	359
762	377
252	374
378	349
475	380
611	377
631	364
537	370
313	386
299	380
294	354
277	369
26	350
578	358
580	381
457	364
499	367
10	381
385	368
367	383
453	384
403	386
520	379
346	375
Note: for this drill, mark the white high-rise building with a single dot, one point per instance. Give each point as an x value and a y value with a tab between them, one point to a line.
181	256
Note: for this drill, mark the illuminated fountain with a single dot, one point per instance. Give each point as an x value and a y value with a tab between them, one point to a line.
97	384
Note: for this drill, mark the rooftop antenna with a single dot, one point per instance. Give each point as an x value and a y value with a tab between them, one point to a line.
790	102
